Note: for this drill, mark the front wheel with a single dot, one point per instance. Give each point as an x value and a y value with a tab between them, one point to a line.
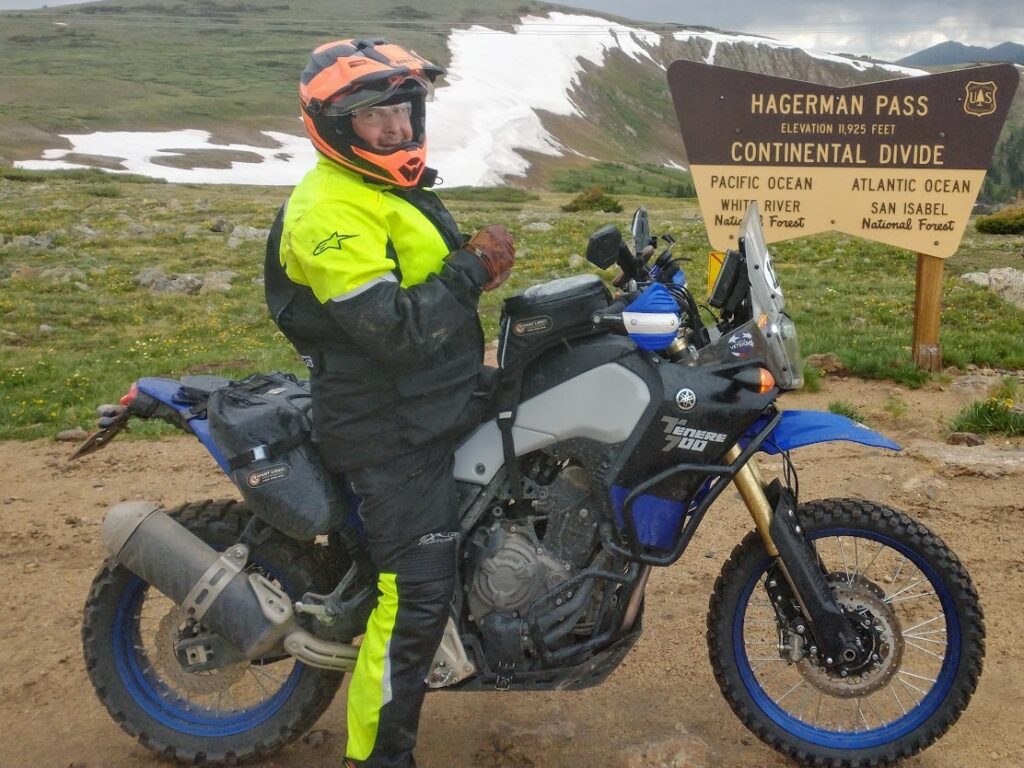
915	605
233	713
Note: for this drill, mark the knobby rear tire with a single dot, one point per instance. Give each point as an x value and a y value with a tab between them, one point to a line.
740	583
138	699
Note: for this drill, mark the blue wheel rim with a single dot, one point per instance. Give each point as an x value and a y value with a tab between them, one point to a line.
167	706
858	739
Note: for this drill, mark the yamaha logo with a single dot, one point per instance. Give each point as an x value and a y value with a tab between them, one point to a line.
686	399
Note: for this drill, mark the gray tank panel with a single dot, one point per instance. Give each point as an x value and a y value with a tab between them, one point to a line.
603	404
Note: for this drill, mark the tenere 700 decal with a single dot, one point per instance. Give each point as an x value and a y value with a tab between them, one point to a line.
678	435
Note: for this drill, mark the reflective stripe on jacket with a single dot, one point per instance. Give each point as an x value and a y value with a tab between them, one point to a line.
359	278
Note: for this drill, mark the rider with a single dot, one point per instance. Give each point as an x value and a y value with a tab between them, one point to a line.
370	279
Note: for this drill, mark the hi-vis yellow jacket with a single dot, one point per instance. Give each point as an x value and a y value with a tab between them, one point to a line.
370	284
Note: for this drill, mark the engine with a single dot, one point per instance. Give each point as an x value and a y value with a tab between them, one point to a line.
516	560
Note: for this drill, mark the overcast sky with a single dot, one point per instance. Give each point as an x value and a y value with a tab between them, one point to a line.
885	29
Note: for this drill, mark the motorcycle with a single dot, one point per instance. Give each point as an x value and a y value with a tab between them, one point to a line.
840	631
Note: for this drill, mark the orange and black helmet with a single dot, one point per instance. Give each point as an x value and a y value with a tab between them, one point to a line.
347	75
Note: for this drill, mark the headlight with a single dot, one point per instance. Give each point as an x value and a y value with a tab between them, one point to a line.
792	374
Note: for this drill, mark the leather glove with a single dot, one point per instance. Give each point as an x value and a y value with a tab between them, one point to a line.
494	246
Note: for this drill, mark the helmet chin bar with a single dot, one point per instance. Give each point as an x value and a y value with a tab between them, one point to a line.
402	166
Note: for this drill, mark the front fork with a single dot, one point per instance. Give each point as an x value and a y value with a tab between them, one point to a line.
774	513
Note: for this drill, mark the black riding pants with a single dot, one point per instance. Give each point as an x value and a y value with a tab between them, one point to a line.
410	512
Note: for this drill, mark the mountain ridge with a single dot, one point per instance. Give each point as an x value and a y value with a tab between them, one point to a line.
231	68
951	53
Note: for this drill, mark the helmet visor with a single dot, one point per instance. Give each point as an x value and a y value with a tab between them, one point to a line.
393	90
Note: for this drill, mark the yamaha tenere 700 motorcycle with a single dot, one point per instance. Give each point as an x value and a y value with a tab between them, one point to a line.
841	632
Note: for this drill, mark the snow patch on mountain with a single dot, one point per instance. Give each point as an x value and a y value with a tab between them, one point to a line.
480	124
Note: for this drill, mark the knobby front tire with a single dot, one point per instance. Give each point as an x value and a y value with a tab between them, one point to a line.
905	583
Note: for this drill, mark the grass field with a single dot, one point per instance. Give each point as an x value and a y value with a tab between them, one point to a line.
76	330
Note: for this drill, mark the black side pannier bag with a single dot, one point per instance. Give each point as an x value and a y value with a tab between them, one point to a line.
262	426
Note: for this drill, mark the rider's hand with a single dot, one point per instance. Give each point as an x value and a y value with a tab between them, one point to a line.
494	246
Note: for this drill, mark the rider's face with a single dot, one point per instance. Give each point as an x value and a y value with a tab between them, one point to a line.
384	127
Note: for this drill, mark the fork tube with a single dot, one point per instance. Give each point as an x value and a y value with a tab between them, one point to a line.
748	483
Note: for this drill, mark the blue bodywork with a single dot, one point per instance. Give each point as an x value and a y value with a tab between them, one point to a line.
797	429
167	392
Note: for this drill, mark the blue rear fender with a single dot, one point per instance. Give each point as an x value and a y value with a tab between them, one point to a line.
797	429
166	391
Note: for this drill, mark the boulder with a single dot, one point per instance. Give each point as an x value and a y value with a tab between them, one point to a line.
187	284
62	275
974	386
1008	284
217	282
148	277
965	438
976	278
242	234
1005	282
75	435
828	362
983	460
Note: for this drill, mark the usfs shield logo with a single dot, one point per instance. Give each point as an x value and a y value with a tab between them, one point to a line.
980	98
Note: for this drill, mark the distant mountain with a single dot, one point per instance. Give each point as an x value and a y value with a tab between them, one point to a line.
534	92
951	53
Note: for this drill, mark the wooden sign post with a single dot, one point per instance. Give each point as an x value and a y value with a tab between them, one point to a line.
899	162
925	347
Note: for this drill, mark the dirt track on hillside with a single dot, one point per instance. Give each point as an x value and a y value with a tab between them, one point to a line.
661	708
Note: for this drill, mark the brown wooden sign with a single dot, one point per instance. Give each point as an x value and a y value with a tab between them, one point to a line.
900	161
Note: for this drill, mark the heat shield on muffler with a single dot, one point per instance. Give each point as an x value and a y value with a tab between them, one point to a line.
208	585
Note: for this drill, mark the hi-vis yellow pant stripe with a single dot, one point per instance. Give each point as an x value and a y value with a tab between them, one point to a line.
370	688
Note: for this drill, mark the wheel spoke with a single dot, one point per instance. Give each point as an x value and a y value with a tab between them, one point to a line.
931	640
911	687
940	657
842	553
890	598
925	623
804	702
897	697
259	683
862	719
871	562
906	598
779	700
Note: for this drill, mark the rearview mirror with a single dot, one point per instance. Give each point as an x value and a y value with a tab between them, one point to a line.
603	246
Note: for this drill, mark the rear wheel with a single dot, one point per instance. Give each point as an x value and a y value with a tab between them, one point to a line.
228	714
916	610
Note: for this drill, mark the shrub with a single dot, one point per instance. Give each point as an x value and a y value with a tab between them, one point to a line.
849	410
812	379
594	199
488	194
989	416
1009	221
1000	413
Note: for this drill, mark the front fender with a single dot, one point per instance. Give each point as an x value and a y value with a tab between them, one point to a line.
797	429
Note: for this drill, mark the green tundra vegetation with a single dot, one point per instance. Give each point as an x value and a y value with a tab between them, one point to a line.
76	327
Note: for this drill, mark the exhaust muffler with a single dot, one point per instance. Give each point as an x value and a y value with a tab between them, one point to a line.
246	609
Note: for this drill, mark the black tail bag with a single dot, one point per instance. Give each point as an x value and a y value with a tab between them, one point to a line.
262	426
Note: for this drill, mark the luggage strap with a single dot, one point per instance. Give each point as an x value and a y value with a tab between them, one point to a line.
267	451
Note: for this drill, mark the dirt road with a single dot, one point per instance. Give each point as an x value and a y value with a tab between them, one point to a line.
661	708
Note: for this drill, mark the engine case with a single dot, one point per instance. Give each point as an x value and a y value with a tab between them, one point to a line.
516	571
